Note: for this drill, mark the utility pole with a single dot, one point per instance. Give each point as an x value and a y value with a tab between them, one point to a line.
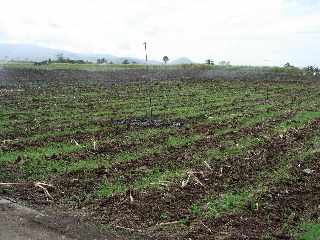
149	90
145	49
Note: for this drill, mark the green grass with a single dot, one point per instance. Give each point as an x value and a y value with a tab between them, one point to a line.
31	154
228	149
299	120
228	202
308	231
282	172
156	178
50	118
176	141
88	164
107	189
35	162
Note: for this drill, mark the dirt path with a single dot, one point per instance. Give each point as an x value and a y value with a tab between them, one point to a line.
17	223
21	223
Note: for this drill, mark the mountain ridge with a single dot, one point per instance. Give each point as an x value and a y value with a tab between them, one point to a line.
29	52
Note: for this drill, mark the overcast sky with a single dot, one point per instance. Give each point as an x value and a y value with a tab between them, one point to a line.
258	32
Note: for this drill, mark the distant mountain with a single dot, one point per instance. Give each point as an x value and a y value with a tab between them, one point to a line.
182	60
36	53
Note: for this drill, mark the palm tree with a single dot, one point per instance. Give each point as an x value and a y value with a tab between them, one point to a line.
165	59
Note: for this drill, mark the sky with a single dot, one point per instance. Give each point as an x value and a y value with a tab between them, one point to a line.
247	32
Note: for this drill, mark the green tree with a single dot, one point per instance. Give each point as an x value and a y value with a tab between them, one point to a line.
165	59
209	62
287	65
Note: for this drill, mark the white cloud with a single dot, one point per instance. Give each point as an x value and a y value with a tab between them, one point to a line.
245	32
